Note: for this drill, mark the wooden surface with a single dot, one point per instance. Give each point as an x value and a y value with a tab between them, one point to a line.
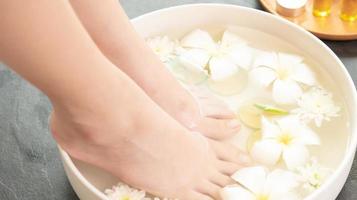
30	166
331	27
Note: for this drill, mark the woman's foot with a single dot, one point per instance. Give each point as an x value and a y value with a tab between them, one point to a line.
142	145
195	110
113	33
203	112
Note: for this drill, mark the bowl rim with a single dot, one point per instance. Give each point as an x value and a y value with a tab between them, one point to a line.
67	160
352	145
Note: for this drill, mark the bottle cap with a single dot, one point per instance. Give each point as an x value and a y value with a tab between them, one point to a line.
291	8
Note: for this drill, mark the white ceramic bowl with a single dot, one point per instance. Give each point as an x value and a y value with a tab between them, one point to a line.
88	181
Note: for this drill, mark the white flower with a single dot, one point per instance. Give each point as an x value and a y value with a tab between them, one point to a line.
124	192
285	72
316	105
257	184
313	175
222	60
163	46
284	138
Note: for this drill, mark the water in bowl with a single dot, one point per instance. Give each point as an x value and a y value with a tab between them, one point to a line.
334	134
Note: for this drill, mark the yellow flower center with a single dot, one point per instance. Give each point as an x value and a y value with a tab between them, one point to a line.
262	197
318	104
158	49
125	198
215	53
316	176
283	73
285	138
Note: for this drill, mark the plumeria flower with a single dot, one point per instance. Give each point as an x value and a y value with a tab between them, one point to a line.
257	184
316	105
284	138
163	46
220	60
285	72
124	192
313	175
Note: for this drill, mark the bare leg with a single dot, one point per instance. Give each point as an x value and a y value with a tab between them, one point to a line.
100	115
110	28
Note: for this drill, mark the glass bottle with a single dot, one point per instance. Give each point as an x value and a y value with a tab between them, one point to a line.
322	8
349	10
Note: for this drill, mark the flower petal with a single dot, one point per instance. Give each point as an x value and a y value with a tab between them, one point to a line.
267	59
290	122
267	152
303	135
316	105
286	92
230	38
198	39
286	196
287	59
235	192
194	59
281	182
264	76
196	56
295	156
241	55
253	178
302	73
163	46
269	129
221	68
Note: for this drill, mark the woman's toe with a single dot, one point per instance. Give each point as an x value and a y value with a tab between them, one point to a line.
197	196
217	112
228	152
227	168
218	128
210	189
221	179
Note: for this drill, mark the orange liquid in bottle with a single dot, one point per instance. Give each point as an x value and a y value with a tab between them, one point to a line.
349	10
322	8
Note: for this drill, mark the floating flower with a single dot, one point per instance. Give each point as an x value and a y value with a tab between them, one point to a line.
163	46
284	72
284	138
313	175
316	105
201	53
257	184
124	192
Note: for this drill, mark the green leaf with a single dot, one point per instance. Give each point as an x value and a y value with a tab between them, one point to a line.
271	109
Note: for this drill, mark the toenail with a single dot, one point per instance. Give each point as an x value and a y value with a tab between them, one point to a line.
233	123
